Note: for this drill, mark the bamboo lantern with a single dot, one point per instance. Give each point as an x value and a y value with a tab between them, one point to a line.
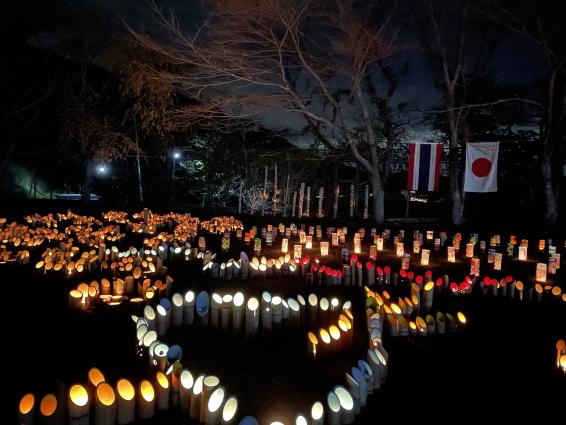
174	372
284	245
209	383
196	395
213	409
335	335
75	299
301	419
162	391
266	313
346	404
523	253
125	409
497	261
294	312
202	307
215	307
428	293
177	310
49	410
105	405
333	405
252	317
325	345
160	355
26	409
451	322
430	324
146	400
563	362
312	309
367	371
560	350
317	413
354	389
189	308
362	382
149	316
229	410
469	250
312	345
186	385
376	367
248	420
238	312
226	312
95	377
400	249
277	311
78	405
440	323
541	272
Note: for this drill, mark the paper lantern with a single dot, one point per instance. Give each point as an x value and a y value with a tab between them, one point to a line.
541	272
105	405
213	409
400	249
229	410
324	249
451	254
425	256
26	409
78	405
317	413
297	252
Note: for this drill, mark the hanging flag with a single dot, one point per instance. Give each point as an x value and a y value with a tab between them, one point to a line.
481	167
424	166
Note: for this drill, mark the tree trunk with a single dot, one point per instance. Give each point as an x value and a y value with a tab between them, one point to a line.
377	199
550	201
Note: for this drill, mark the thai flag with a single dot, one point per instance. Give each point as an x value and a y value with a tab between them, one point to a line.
424	166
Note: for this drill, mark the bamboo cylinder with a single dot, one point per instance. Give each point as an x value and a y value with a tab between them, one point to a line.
26	409
50	410
215	307
312	310
149	316
346	404
252	317
226	312
105	405
126	404
214	405
209	383
189	308
294	312
317	413
186	385
202	308
276	311
177	310
146	400
78	405
362	382
238	313
163	316
333	416
196	394
229	410
162	389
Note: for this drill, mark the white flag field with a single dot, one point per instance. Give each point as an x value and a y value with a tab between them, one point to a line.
481	167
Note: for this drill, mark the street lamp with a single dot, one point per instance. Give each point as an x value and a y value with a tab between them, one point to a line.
176	156
101	169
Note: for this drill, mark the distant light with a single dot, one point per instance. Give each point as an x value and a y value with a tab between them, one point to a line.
101	169
176	155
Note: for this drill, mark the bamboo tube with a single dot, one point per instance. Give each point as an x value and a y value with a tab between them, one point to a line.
215	307
323	308
440	323
189	308
248	420
335	336
362	382
294	312
162	391
149	316
146	400
317	413
266	313
174	374
366	369
26	410
160	355
252	317
125	406
560	351
186	385
202	308
95	377
105	405
238	313
229	410
346	404
354	389
428	293
301	419
376	367
226	312
177	310
50	410
213	409
78	405
451	322
312	344
333	409
430	324
196	396
312	311
209	383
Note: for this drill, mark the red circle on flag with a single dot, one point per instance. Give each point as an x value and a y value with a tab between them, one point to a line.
481	167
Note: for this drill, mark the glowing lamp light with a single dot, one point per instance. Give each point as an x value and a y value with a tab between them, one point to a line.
48	405
78	406
25	409
229	410
146	401
461	318
317	413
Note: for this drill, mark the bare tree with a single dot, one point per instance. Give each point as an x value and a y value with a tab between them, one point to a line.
313	58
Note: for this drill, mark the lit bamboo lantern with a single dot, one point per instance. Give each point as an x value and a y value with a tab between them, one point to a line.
324	306
560	350
294	312
105	405
238	312
346	404
229	410
126	404
196	396
357	245
209	383
75	298
541	272
226	312
146	400
189	308
49	410
78	405
186	385
162	391
277	311
26	409
563	362
362	381
367	371
252	317
440	323
428	293
266	313
301	419
523	253
159	355
149	316
202	307
177	310
312	309
335	335
354	389
325	346
213	409
452	324
333	408
317	413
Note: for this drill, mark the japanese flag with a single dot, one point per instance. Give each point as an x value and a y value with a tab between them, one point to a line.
481	167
